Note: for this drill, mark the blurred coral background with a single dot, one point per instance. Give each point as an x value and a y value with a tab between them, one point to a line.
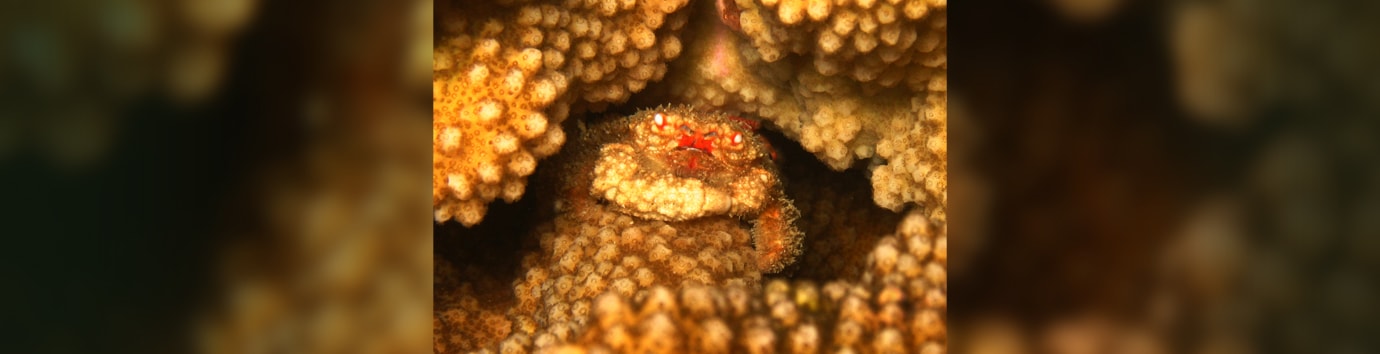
1149	177
219	176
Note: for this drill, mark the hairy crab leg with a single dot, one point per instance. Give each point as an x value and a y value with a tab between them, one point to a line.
777	239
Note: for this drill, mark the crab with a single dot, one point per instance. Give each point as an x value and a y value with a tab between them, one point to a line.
676	164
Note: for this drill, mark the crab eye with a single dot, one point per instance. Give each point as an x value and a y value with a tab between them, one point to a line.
685	128
659	120
737	138
711	135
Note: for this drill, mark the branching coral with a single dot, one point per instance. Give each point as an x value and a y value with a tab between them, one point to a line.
74	70
465	316
842	222
602	280
592	247
881	42
897	306
505	76
642	245
596	251
866	80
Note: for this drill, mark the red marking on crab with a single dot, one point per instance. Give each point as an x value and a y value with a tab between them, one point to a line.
697	140
754	125
705	142
685	141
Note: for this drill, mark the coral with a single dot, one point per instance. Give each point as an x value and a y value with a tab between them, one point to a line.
325	253
897	306
595	251
341	261
880	42
917	156
656	231
665	283
466	317
842	222
862	81
69	109
505	76
602	279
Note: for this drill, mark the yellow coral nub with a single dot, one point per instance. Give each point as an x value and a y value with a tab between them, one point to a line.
512	189
829	42
819	9
670	48
530	36
529	16
642	37
449	139
868	23
514	81
864	42
790	12
844	22
886	14
530	125
915	9
616	43
477	73
471	212
489	173
529	60
488	110
890	35
504	144
459	185
486	50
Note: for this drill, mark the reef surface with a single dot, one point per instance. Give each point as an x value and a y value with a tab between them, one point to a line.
768	221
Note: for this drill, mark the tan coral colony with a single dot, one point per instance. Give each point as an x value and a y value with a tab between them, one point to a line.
507	73
667	223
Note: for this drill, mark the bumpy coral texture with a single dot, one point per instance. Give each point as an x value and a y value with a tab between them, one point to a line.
848	80
506	75
695	285
694	282
603	280
841	221
898	304
623	256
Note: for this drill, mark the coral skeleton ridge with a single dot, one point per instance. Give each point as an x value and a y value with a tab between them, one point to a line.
505	76
855	83
604	281
677	228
